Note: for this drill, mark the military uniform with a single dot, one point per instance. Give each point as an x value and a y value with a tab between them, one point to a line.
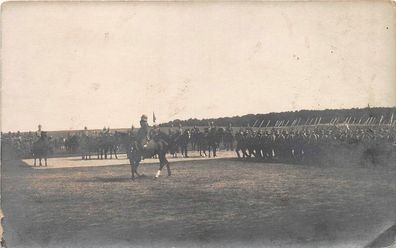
143	133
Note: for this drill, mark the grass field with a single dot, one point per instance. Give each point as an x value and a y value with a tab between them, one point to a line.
205	203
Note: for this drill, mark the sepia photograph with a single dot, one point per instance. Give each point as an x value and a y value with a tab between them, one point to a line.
198	124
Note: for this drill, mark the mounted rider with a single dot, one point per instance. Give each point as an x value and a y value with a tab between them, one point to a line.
39	131
143	135
43	135
85	132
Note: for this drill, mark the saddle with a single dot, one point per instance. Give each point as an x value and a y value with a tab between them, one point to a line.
150	145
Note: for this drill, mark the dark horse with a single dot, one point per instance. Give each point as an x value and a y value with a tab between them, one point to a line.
88	146
40	150
108	144
71	143
183	141
157	146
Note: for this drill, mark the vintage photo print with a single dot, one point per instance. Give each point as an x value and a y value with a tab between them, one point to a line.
198	124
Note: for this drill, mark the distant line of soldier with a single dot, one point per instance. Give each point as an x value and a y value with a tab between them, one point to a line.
282	142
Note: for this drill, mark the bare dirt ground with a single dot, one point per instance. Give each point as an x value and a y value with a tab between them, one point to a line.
205	203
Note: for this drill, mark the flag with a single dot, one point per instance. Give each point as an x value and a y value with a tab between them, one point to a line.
154	119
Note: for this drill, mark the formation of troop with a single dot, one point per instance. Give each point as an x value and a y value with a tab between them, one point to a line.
286	144
317	143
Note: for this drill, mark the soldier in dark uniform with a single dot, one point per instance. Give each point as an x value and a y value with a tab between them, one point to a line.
180	129
170	130
38	132
85	131
143	133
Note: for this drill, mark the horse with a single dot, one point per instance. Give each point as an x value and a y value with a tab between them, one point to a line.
107	143
183	141
194	138
159	146
241	145
40	149
71	143
228	140
88	145
173	144
213	139
220	132
202	143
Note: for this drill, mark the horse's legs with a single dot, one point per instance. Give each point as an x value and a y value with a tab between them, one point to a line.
168	168
132	168
159	170
34	161
163	161
237	152
45	160
135	167
40	161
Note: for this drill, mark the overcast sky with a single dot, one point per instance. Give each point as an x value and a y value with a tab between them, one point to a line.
70	65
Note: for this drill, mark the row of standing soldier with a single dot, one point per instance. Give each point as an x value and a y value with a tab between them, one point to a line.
282	144
318	144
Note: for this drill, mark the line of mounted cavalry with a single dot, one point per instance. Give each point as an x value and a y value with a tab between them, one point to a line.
374	144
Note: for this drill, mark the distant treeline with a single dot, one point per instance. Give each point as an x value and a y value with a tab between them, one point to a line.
354	115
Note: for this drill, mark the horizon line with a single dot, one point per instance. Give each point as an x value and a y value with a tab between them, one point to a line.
234	116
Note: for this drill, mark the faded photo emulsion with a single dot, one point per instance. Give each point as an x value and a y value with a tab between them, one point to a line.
198	124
